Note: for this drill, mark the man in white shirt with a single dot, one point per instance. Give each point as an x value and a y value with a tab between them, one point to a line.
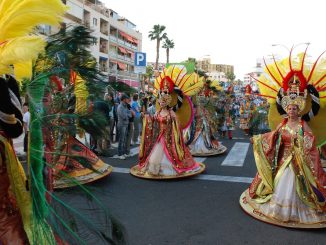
26	120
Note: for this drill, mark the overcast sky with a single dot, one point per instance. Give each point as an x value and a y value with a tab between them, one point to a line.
234	32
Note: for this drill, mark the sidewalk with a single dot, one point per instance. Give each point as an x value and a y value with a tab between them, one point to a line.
19	143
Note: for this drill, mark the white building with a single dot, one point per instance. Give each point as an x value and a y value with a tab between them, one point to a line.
250	77
117	39
219	76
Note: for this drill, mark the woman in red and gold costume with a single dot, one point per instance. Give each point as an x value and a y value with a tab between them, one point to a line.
290	186
202	135
247	108
162	152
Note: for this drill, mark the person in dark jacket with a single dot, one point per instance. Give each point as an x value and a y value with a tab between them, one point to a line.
124	115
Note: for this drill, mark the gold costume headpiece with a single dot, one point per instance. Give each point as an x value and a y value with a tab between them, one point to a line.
296	80
293	96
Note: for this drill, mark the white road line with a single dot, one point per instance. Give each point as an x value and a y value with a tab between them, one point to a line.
200	159
237	155
134	151
224	178
121	170
201	177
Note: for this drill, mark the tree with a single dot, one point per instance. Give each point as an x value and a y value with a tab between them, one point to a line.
157	34
168	44
147	76
230	76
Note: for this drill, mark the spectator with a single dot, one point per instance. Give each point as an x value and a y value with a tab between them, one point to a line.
124	114
130	129
112	114
103	108
152	107
136	122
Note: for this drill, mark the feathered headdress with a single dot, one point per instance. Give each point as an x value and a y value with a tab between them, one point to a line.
180	85
295	80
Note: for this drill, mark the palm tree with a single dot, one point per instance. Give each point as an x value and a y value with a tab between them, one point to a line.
168	44
157	34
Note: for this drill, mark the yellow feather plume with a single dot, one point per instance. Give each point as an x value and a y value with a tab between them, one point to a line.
23	70
81	94
19	18
21	49
190	84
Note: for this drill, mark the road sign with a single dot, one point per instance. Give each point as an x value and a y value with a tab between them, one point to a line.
140	59
140	69
140	63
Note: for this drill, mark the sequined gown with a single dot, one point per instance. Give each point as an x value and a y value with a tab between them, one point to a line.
290	185
201	138
11	225
162	149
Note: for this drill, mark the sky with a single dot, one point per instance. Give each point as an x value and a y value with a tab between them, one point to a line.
234	32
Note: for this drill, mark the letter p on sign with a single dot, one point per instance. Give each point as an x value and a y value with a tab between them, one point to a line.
140	59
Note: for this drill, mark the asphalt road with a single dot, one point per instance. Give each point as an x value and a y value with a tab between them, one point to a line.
193	211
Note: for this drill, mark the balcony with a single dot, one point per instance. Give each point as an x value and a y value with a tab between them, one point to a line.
113	38
103	68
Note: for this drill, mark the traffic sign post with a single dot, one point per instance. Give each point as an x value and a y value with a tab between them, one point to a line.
140	63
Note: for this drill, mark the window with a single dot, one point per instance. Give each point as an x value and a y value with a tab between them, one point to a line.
94	22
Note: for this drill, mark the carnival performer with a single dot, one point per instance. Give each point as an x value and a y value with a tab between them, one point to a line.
202	140
247	108
73	163
162	152
227	119
290	186
18	48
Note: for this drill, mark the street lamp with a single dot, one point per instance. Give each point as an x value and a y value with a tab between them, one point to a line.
279	44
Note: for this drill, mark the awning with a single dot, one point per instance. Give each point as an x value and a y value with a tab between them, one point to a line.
113	61
135	40
129	52
122	50
123	34
122	66
130	39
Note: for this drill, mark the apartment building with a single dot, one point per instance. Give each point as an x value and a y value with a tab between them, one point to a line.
206	65
250	78
117	39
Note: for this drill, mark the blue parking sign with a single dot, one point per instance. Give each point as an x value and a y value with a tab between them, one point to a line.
140	59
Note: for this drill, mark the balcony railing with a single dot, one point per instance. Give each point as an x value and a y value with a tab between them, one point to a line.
124	74
104	50
105	32
123	42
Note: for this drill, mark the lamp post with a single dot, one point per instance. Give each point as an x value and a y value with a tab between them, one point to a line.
279	44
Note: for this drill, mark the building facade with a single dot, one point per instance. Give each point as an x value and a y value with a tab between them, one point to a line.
251	77
206	65
216	75
116	42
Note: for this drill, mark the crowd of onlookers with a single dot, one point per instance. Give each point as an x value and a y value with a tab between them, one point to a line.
124	113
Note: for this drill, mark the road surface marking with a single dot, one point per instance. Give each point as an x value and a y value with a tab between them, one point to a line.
200	159
121	170
237	155
224	178
201	177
